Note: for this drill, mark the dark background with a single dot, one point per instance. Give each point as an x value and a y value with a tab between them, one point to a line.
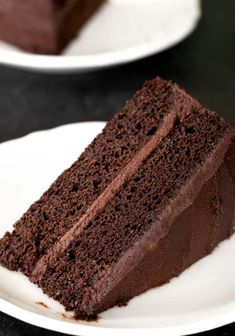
204	64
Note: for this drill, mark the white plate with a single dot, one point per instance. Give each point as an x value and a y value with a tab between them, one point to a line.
122	31
203	297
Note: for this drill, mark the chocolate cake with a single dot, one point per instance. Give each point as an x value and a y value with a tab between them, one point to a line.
45	26
151	195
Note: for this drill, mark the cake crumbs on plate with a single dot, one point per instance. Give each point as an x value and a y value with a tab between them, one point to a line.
40	303
67	316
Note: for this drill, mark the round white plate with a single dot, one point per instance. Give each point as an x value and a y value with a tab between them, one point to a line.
122	31
202	298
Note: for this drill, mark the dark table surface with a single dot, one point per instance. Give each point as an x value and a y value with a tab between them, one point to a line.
204	64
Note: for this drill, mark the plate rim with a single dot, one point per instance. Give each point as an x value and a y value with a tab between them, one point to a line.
72	328
78	329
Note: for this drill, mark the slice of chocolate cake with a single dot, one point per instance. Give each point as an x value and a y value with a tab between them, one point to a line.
45	26
152	194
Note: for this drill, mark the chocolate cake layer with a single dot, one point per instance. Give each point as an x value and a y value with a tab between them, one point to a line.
152	194
45	26
76	189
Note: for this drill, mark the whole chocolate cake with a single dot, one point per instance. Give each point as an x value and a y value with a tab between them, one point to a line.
151	195
43	26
